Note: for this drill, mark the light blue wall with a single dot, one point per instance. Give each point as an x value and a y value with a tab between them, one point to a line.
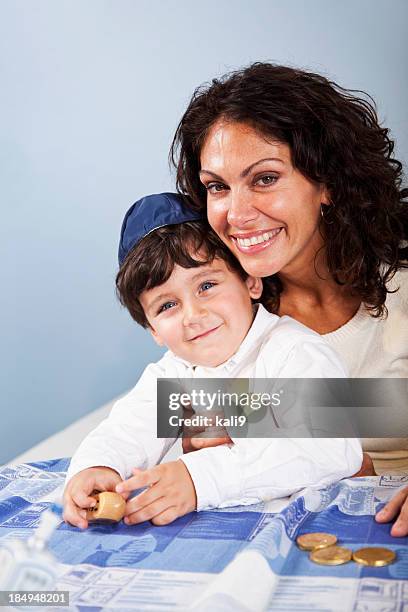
90	94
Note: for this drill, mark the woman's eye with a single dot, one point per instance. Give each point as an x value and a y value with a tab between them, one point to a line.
166	306
266	179
215	187
207	285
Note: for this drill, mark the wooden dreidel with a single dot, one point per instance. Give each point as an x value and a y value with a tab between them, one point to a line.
109	507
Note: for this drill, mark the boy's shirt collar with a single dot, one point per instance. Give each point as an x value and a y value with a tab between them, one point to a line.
262	320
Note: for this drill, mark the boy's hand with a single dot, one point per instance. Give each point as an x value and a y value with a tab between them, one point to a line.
77	496
171	494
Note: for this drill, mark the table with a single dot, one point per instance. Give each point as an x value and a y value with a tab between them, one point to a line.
243	558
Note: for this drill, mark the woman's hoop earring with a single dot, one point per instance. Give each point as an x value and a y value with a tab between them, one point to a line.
326	216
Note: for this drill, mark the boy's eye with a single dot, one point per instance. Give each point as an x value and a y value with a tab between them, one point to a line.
207	285
266	179
166	306
215	187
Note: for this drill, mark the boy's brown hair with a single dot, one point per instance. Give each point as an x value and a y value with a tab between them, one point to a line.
151	262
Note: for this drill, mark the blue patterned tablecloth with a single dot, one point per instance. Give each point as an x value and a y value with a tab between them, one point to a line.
230	559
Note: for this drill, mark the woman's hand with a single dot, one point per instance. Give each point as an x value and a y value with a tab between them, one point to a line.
396	507
192	444
367	467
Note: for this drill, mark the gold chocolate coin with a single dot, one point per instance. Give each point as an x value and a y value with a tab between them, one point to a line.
333	555
376	557
315	541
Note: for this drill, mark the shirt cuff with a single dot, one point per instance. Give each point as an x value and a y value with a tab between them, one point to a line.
216	475
79	467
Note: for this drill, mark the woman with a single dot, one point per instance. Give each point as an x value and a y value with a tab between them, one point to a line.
300	182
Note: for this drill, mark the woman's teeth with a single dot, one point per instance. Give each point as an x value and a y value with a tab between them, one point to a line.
246	242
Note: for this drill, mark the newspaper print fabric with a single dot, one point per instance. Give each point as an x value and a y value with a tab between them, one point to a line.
242	558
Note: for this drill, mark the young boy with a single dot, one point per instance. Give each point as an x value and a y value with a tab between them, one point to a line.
178	280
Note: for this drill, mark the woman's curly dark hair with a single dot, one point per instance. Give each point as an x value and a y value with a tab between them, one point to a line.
335	139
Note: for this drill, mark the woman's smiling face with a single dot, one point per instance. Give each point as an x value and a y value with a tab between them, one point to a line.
264	209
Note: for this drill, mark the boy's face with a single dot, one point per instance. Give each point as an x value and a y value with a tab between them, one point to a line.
202	314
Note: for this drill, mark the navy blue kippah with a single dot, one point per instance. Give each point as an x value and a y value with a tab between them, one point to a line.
150	213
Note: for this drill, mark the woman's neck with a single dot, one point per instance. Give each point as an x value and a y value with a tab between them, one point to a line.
315	299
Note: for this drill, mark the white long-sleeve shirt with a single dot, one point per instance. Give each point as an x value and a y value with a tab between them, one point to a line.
250	470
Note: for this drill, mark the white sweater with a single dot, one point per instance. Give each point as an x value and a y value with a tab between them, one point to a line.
378	348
